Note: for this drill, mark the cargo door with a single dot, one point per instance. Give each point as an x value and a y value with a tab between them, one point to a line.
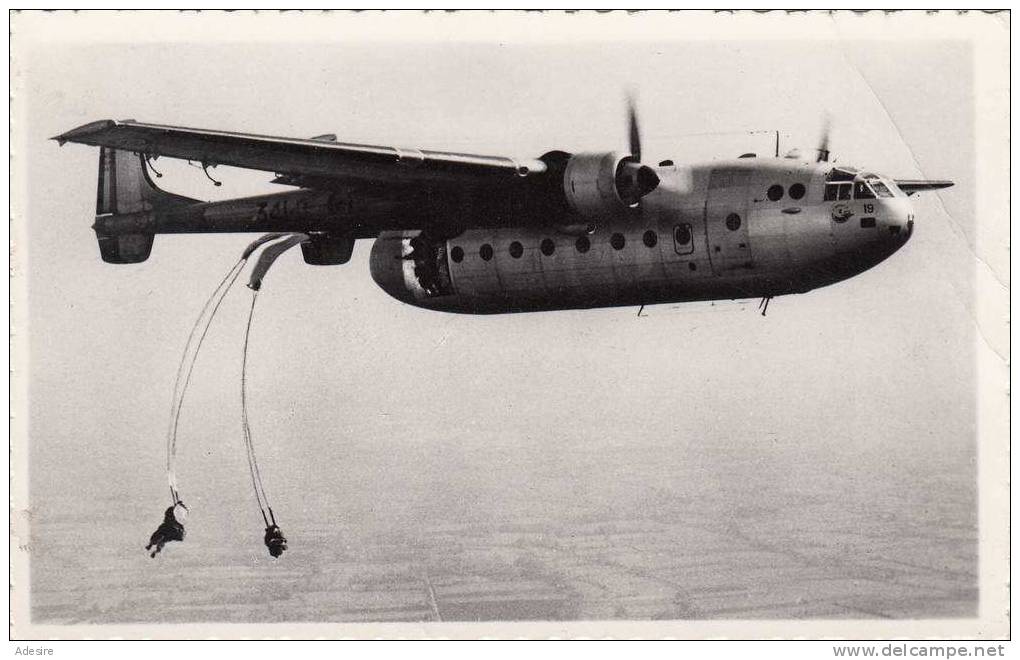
726	220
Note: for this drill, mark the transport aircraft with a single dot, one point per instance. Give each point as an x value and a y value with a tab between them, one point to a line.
477	234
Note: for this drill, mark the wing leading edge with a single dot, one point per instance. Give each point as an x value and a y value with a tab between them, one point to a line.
300	159
911	186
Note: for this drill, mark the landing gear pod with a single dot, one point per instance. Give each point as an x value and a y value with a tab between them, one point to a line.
327	250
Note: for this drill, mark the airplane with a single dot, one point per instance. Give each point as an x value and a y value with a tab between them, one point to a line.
478	234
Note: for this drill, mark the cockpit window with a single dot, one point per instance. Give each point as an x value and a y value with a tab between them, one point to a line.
862	191
841	174
880	189
876	184
840	191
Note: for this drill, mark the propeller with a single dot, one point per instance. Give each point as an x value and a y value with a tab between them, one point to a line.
823	147
635	132
634	180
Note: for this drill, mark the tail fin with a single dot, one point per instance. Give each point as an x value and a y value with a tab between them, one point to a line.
126	188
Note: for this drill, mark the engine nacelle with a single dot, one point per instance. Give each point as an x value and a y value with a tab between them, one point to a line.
600	185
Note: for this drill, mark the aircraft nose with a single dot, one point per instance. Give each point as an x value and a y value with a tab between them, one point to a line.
899	220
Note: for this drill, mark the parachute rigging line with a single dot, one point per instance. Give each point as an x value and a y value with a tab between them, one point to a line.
253	465
187	365
259	271
189	356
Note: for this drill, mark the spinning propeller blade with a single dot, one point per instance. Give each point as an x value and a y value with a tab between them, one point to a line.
635	131
634	180
823	147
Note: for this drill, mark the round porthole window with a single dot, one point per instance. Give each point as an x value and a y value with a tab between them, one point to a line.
797	190
485	252
650	238
516	250
582	244
548	247
682	234
457	254
775	193
617	241
733	222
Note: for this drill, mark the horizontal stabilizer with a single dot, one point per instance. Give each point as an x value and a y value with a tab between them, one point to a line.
911	186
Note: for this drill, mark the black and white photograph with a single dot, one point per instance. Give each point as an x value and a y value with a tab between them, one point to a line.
513	325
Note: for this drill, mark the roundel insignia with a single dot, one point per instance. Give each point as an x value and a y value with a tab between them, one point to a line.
842	212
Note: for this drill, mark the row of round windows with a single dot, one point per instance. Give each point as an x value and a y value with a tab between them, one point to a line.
548	246
775	192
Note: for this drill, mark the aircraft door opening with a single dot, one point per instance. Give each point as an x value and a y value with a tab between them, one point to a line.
426	269
726	220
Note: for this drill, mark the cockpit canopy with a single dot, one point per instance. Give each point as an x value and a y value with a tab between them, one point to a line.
843	183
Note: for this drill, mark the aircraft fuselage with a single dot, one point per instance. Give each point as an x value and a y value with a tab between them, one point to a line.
751	227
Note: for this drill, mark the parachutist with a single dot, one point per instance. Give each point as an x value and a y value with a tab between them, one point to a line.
275	541
171	529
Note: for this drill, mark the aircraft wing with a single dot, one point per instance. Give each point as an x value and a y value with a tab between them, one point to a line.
911	186
309	163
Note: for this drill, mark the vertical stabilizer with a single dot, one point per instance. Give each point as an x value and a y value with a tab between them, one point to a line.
125	188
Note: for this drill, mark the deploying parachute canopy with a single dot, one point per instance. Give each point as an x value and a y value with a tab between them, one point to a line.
269	257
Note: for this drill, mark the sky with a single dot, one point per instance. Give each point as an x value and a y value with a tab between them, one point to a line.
884	362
